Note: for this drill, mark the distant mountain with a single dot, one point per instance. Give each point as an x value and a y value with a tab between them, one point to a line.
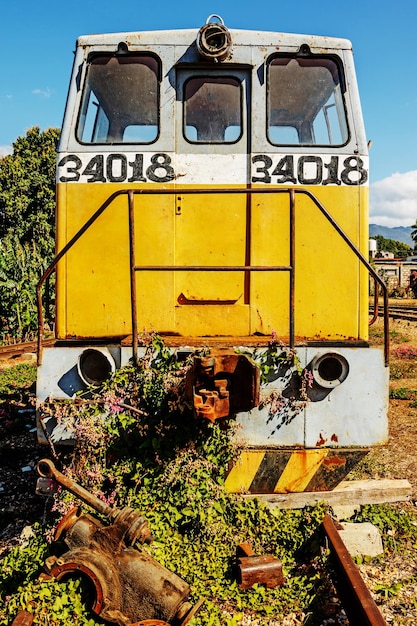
399	233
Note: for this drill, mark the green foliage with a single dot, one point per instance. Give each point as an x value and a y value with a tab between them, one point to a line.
401	393
139	445
27	189
16	389
398	337
275	360
50	602
414	233
393	523
371	467
22	564
19	273
17	379
403	369
389	591
27	214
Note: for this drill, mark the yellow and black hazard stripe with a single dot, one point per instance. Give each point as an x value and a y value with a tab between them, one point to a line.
290	471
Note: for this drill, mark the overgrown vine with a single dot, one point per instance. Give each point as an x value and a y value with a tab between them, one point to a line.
138	445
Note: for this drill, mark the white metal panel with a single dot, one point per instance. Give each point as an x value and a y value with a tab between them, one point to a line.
354	413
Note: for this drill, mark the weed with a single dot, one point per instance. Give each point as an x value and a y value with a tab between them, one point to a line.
403	369
405	352
394	523
139	445
402	393
370	467
398	337
17	380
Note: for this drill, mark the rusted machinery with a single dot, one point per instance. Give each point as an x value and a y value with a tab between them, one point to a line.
262	569
223	384
127	584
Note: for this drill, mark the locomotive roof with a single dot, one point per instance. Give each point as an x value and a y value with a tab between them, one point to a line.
187	37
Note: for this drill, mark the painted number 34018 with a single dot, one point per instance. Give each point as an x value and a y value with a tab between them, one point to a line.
116	168
309	170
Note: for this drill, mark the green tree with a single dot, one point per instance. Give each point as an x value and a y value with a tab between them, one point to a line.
27	216
398	248
27	189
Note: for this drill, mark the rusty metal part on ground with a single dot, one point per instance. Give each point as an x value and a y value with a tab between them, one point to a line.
127	584
23	618
264	569
222	384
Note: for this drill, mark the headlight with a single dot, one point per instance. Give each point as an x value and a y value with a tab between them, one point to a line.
329	370
95	366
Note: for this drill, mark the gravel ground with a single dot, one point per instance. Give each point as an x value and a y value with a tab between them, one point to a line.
19	454
396	574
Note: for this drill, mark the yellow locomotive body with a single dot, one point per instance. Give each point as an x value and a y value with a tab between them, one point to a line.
212	186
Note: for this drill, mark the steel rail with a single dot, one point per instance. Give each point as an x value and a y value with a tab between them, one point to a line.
356	598
24	347
402	313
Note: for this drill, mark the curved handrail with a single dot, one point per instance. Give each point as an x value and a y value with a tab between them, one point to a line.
376	304
198	191
52	266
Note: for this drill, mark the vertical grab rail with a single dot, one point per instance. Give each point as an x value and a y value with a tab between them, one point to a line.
292	263
135	337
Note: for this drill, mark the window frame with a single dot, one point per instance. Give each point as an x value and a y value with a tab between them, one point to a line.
214	75
342	83
109	55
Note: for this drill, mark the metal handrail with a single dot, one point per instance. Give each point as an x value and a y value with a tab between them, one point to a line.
292	192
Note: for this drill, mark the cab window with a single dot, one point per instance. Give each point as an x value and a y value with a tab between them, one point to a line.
212	109
120	100
305	103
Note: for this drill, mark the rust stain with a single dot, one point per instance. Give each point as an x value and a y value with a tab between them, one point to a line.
182	299
334	461
320	441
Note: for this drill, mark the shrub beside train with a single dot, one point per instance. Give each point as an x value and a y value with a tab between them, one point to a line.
212	186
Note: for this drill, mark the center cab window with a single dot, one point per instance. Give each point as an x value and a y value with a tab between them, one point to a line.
120	102
305	102
212	109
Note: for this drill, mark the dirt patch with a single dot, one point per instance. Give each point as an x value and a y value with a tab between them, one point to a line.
398	458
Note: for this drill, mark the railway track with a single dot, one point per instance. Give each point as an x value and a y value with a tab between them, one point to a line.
17	349
399	312
407	313
355	596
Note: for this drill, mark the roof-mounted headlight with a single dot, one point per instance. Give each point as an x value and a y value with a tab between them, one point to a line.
214	41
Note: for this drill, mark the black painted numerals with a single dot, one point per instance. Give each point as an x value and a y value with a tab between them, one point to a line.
309	170
73	165
160	170
116	168
157	168
353	169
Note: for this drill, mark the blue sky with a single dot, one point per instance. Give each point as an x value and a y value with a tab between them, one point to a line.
38	39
